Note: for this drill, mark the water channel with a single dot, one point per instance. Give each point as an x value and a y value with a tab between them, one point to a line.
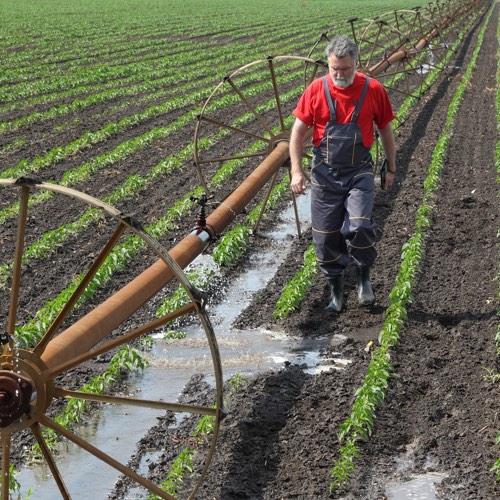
241	351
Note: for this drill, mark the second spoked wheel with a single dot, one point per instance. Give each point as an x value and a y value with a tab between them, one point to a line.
248	114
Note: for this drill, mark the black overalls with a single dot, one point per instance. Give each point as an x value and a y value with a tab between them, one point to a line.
342	191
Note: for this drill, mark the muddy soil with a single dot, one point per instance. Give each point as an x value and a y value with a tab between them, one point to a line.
440	414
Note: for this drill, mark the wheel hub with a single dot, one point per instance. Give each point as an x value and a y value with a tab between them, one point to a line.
24	393
15	397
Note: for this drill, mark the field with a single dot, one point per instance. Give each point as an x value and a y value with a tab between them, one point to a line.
110	98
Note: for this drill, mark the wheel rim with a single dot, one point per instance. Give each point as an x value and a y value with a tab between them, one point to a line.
261	97
396	45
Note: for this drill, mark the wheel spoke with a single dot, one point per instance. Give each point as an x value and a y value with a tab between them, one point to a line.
50	461
117	342
250	107
235	157
296	213
234	129
143	403
104	457
308	81
375	45
18	260
5	465
264	202
276	94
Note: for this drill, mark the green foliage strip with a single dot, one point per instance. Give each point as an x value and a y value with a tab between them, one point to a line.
496	466
182	465
359	424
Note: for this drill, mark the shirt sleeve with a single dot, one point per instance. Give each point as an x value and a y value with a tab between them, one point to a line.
303	110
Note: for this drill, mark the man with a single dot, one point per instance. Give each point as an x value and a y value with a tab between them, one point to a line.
341	108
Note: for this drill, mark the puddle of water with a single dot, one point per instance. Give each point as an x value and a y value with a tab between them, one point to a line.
420	487
117	429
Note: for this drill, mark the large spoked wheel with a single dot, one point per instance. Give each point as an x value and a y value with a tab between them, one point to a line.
246	116
91	310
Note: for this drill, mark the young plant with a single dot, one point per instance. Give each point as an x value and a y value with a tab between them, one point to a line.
296	289
181	466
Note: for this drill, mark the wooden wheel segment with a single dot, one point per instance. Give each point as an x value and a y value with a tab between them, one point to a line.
32	376
399	48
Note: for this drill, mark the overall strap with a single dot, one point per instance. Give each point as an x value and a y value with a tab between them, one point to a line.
331	102
355	115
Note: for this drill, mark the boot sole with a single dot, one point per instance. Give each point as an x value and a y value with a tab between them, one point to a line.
367	303
333	309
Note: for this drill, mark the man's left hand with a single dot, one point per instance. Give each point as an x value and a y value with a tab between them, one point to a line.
389	179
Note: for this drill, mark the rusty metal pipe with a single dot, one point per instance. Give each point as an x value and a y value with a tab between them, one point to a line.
399	55
92	328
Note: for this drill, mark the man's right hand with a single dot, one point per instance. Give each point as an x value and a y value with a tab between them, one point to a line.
298	183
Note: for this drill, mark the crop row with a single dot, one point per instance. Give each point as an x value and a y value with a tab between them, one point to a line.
152	50
359	424
153	20
159	84
190	92
496	378
140	71
181	468
60	153
114	52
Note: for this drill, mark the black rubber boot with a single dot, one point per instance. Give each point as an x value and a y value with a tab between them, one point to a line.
336	303
366	297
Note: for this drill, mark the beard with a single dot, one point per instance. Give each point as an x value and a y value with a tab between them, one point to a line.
344	82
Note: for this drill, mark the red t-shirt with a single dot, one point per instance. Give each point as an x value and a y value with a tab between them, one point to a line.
312	107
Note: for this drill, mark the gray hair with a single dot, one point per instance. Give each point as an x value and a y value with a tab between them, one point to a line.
341	46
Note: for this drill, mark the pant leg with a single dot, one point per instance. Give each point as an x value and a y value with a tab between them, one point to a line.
327	218
360	225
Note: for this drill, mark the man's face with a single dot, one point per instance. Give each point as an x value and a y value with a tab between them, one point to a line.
342	70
